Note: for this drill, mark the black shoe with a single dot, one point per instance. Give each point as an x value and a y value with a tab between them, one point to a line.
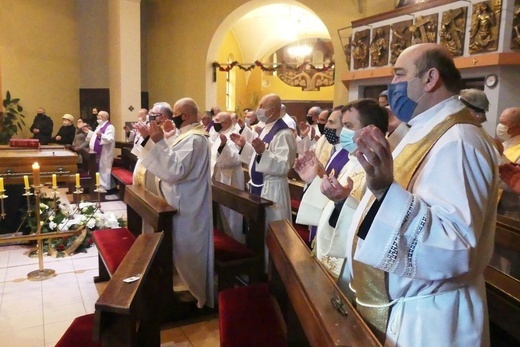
112	191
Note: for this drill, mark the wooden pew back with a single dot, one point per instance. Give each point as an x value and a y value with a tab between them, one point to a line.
126	312
304	288
252	207
503	291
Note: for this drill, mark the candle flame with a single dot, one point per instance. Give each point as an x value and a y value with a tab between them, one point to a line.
35	166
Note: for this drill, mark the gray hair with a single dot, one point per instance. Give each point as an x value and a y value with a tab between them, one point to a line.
476	98
165	108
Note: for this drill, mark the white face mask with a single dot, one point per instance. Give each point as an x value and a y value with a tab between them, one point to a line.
99	121
502	132
260	114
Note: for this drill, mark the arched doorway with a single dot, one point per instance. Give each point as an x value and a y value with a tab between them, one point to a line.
254	32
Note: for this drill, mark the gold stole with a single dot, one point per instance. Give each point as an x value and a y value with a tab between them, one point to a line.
370	282
512	153
142	171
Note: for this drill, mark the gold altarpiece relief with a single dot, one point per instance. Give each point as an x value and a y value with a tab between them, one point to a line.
424	30
379	46
485	21
401	39
451	34
515	34
360	46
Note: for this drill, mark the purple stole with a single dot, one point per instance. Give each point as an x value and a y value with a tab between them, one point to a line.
97	142
257	178
337	164
208	127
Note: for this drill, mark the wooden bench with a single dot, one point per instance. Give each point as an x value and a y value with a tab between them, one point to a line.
125	313
231	257
503	290
304	289
123	178
113	244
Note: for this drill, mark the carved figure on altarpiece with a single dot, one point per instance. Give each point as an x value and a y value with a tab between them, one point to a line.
360	48
379	46
401	39
452	30
485	22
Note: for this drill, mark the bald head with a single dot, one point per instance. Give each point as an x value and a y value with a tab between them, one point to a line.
223	118
429	56
510	116
188	109
271	103
103	115
430	74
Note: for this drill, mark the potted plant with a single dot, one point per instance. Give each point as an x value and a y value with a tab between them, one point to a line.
11	119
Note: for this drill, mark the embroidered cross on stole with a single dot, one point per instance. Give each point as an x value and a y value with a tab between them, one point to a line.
369	282
150	181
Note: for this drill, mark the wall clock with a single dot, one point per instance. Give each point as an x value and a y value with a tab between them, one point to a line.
491	80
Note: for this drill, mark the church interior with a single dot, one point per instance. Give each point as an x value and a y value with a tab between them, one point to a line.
68	57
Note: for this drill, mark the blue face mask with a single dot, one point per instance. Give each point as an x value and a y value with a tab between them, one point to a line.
400	104
346	139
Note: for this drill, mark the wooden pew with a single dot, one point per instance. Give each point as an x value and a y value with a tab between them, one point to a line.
253	209
125	313
141	205
304	290
503	290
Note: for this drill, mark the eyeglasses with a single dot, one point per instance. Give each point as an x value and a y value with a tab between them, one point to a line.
156	114
338	304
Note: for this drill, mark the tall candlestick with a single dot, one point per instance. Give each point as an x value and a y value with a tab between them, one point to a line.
54	183
1	184
36	174
97	178
77	180
26	181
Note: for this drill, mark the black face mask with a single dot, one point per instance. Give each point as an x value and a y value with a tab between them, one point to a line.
309	120
331	136
217	127
178	121
39	114
321	128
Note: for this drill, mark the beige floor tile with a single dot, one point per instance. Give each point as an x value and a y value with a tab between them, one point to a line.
16	320
28	337
173	335
204	333
85	263
54	331
62	313
17	258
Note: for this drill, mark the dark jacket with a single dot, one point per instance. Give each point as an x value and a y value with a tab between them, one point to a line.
44	124
67	134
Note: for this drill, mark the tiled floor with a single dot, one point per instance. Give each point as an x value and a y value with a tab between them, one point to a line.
36	313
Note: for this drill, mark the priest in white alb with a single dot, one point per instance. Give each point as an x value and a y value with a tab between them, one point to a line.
226	168
184	173
423	233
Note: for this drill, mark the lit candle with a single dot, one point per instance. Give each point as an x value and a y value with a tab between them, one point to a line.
77	180
97	178
1	184
26	181
54	183
36	174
